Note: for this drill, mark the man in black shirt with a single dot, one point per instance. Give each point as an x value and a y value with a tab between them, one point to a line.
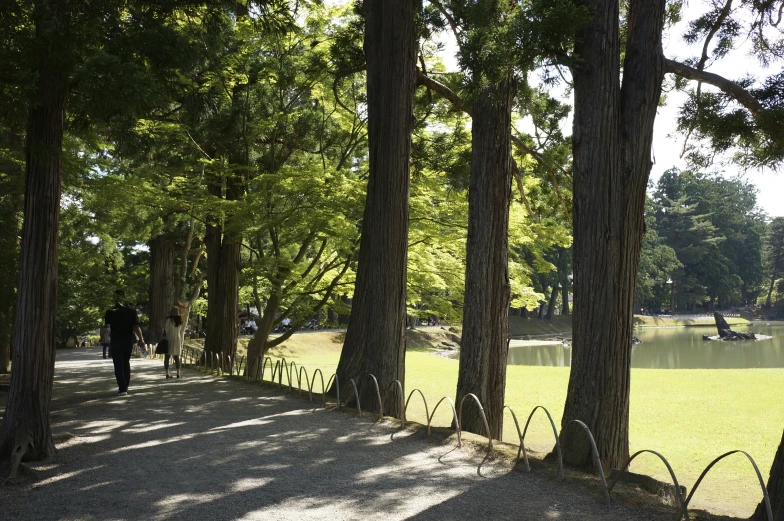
123	321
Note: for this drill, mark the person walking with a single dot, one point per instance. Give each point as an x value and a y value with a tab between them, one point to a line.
172	329
123	321
106	338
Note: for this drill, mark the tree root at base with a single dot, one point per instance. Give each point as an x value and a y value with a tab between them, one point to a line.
17	455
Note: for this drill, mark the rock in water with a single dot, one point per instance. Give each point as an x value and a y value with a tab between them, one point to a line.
726	333
721	325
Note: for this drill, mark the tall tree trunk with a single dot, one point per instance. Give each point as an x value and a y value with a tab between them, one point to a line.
345	319
775	488
375	340
222	296
258	344
26	432
768	302
551	303
612	136
11	191
565	300
223	268
162	285
184	300
484	344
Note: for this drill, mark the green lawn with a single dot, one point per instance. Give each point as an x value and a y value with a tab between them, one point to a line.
690	416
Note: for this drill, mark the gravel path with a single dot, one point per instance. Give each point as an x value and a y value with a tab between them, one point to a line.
205	448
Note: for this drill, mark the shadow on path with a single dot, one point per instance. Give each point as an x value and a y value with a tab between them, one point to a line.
213	449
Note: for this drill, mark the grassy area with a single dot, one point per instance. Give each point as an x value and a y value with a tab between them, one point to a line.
690	416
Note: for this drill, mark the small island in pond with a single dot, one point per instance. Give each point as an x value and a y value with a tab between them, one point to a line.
726	333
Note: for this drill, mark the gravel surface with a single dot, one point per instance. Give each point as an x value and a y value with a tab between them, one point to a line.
206	448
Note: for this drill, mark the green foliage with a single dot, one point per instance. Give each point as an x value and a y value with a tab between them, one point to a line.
713	120
497	36
88	269
167	100
437	234
715	228
658	263
774	256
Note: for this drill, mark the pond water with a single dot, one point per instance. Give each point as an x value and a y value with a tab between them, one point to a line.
675	348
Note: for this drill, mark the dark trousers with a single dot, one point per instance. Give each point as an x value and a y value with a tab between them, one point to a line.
105	347
166	361
121	356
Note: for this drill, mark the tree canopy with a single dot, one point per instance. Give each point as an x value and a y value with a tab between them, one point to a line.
256	158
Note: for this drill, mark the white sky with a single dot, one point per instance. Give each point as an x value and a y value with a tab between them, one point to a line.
667	142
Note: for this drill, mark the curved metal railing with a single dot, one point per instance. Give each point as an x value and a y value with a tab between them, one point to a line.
216	362
427	413
356	395
490	451
520	438
555	433
378	395
596	459
765	496
289	369
681	503
299	383
323	390
454	414
334	378
399	386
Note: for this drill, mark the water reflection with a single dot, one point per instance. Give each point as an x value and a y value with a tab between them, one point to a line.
675	348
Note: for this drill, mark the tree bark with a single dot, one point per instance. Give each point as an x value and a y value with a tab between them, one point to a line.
25	433
484	344
768	301
775	488
612	136
345	319
375	340
223	268
11	191
565	298
551	303
162	285
267	321
185	300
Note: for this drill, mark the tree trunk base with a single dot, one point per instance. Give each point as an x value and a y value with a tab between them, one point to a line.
22	448
23	472
576	448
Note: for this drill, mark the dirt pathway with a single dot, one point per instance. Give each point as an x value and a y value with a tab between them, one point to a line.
204	448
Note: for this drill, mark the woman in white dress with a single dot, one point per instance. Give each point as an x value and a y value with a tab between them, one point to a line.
172	328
